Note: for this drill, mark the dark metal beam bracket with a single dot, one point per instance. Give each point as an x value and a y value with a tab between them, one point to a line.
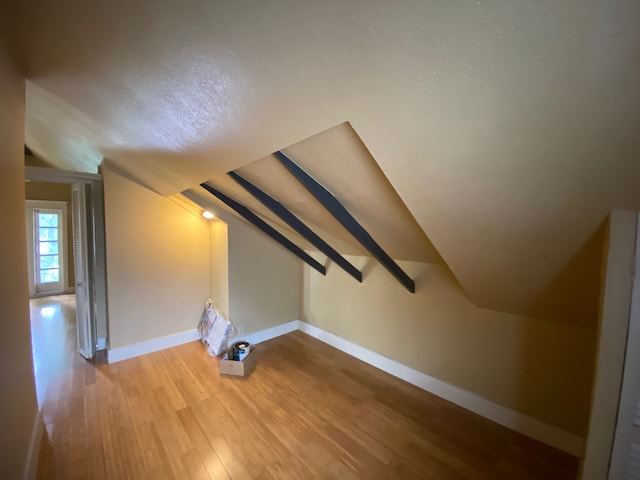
333	206
251	217
294	222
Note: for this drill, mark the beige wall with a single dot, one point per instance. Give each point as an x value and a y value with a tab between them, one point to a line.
18	406
62	193
263	279
164	260
611	343
219	277
157	263
537	367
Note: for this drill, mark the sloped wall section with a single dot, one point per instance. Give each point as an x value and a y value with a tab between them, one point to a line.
537	367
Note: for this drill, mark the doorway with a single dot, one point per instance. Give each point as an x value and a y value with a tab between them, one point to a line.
86	263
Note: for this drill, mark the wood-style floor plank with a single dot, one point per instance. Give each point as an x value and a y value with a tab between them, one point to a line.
307	411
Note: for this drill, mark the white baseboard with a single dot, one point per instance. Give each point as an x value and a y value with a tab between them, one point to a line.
102	344
269	333
31	467
122	353
529	426
149	346
66	291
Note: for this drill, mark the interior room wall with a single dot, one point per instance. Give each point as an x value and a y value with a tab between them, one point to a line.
264	279
62	193
219	278
18	404
260	279
157	262
611	343
537	367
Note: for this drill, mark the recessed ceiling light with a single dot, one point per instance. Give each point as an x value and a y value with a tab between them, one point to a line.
208	215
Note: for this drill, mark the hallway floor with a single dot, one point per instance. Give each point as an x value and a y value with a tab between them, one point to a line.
53	339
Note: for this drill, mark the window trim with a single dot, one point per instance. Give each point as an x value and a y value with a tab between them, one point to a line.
31	206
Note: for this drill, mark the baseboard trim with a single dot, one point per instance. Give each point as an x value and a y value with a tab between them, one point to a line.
66	291
135	350
33	454
529	426
269	333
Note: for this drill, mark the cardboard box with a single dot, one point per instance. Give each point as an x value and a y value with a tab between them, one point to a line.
237	369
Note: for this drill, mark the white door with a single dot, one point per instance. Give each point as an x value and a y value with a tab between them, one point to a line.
625	454
82	238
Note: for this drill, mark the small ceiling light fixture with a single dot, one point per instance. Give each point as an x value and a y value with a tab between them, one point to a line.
208	215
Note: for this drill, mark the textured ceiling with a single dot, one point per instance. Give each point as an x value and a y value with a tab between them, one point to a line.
509	129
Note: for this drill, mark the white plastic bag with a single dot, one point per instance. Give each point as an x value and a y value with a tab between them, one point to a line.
215	330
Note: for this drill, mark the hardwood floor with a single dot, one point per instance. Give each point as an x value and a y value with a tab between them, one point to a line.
307	411
53	339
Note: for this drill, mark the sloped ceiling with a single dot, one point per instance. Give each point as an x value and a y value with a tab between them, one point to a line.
509	129
337	159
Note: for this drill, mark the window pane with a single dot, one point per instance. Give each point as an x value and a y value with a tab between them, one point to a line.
48	233
48	248
48	219
48	276
49	261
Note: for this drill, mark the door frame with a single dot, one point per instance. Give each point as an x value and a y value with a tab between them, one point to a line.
627	430
32	205
50	175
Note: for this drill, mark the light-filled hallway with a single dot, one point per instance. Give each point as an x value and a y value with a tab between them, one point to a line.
53	339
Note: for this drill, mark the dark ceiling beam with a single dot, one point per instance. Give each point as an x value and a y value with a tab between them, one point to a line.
266	228
294	222
333	206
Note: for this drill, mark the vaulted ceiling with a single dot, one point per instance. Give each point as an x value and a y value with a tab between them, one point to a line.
508	129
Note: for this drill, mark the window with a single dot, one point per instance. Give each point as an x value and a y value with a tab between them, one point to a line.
46	236
48	233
